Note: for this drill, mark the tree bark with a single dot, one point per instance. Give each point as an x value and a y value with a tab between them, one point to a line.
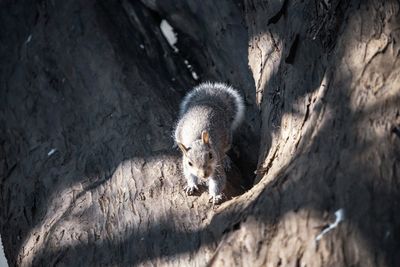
89	97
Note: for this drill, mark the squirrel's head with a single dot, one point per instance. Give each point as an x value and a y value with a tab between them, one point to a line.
200	159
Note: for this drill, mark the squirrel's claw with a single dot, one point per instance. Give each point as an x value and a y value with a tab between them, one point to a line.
216	199
190	189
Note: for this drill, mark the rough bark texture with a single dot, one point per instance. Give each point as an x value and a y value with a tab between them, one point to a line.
97	81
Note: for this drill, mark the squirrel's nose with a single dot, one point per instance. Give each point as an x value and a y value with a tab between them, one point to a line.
203	174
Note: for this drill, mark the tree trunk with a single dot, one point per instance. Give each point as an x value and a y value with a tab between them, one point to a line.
89	97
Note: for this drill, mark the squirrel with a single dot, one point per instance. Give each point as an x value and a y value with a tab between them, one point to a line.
209	114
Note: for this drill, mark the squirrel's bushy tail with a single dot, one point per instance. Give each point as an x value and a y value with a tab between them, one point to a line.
218	94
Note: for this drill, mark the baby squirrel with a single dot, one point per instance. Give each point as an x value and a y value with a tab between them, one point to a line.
208	116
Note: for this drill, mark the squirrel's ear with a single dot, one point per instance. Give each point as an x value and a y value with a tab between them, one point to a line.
205	137
183	148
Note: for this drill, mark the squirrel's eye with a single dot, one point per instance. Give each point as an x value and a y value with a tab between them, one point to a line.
190	164
210	155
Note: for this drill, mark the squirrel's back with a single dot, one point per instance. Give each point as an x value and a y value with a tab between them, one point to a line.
218	95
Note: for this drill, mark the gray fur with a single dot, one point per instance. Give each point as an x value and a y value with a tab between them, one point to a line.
216	109
217	93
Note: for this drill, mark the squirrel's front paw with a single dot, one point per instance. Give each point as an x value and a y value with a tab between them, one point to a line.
190	189
217	199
